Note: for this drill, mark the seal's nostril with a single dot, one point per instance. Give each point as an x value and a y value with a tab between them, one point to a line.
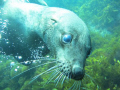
78	73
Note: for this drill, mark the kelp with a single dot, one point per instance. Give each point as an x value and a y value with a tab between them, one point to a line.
100	13
103	65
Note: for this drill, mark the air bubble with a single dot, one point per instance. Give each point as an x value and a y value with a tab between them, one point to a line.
0	36
16	70
12	64
18	66
19	57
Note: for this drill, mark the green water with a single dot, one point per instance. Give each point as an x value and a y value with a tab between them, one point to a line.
102	18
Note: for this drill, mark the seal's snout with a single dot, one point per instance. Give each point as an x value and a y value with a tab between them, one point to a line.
78	73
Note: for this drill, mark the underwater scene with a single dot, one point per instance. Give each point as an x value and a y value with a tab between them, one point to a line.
59	45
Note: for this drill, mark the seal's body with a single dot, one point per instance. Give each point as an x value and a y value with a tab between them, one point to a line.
63	32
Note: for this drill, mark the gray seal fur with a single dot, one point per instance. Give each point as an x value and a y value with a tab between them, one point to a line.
51	23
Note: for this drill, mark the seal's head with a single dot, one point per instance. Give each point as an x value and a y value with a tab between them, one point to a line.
70	43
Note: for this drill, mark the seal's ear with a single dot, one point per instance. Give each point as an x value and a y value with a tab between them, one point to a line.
53	21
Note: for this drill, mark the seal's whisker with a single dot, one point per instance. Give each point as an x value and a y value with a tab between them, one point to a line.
47	71
52	77
92	80
60	76
75	86
38	60
63	80
32	68
90	77
68	77
57	77
47	59
44	59
79	85
72	86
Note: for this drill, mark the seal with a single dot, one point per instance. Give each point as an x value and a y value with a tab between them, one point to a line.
62	31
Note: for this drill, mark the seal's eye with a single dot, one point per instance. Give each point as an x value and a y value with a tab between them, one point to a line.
67	38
